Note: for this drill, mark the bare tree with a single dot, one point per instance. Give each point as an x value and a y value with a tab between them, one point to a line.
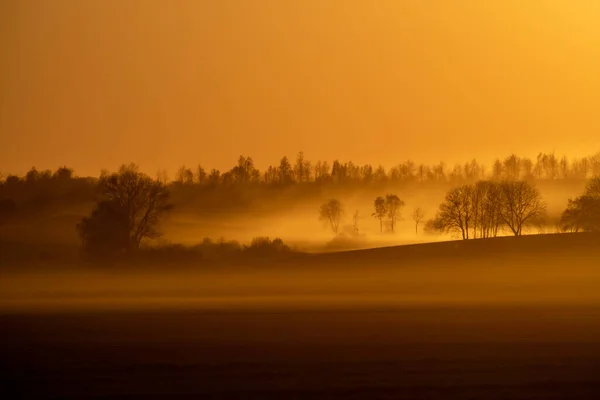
455	213
129	211
381	211
486	203
418	216
394	204
331	213
522	205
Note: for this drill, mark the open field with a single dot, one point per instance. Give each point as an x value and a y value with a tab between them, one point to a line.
495	319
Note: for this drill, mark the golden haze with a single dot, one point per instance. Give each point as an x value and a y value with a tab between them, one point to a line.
93	84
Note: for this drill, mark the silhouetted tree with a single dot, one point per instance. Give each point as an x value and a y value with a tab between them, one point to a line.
105	233
455	213
522	205
486	204
393	204
381	211
131	207
583	212
331	213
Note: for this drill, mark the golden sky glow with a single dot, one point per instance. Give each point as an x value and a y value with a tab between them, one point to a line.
93	83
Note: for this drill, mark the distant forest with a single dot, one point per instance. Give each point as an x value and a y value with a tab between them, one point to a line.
244	185
39	186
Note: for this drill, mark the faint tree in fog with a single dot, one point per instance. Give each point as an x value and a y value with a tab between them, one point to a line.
522	205
285	172
214	178
130	210
380	176
381	211
184	176
393	204
355	219
331	213
418	216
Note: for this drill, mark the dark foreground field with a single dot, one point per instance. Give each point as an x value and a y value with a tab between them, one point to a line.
418	353
500	319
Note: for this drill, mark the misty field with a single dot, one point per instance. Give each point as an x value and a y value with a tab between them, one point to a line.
495	319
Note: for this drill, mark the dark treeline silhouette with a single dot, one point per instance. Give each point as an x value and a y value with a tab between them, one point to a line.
242	184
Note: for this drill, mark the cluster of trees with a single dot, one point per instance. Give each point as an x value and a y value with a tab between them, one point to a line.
583	212
387	211
513	167
483	209
486	208
129	210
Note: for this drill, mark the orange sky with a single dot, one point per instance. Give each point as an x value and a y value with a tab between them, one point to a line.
96	83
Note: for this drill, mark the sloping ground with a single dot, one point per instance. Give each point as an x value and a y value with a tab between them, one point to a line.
580	246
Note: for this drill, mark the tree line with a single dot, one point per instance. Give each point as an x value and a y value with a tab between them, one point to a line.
483	209
544	167
37	190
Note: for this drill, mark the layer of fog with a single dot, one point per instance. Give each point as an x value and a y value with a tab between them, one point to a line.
384	283
298	223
